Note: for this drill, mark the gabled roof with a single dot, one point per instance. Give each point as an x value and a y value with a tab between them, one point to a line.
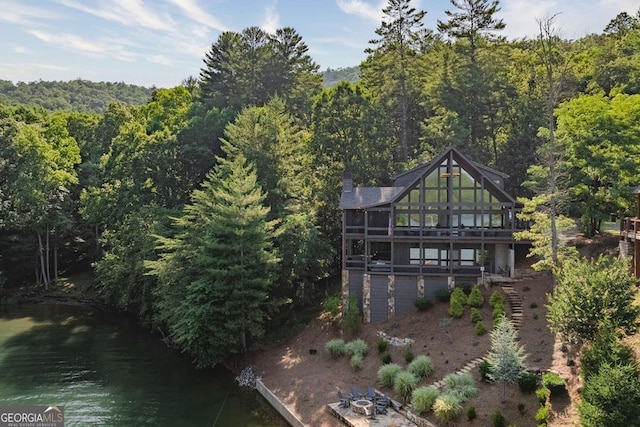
366	197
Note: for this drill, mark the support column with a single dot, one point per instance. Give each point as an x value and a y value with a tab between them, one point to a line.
391	295
512	263
420	286
366	298
345	291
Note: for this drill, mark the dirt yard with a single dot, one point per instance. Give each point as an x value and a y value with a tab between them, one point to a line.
306	378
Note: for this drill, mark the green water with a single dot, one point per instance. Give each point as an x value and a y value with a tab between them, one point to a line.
107	371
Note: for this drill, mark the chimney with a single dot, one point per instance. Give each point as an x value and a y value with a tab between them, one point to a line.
347	182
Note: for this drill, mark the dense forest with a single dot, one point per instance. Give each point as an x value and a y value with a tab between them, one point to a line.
211	208
76	95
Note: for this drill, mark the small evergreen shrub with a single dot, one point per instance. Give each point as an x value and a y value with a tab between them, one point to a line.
571	362
485	369
475	298
447	407
521	408
386	357
421	367
456	309
356	361
356	347
498	311
475	315
423	304
408	355
542	415
471	413
335	348
423	398
479	328
498	419
387	374
382	345
554	382
443	295
458	296
495	298
527	382
533	305
404	385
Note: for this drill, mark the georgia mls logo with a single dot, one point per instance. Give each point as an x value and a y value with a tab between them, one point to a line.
31	416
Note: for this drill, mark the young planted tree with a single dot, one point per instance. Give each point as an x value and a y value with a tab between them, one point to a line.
506	356
590	292
216	273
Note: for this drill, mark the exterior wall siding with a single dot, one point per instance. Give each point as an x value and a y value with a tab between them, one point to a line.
406	294
379	298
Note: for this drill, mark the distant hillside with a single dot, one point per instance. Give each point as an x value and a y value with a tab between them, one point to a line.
75	95
331	77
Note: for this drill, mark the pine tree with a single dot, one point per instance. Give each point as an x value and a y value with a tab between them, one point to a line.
226	262
506	356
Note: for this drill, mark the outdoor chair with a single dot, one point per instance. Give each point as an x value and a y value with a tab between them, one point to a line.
381	405
355	393
371	394
344	402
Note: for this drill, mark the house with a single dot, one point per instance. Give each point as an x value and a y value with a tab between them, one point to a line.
443	223
630	237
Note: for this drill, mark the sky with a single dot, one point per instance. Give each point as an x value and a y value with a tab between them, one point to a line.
161	42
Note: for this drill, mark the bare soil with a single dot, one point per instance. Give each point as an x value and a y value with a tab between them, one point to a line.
302	374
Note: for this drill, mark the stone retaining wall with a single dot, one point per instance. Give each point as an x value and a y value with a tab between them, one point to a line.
278	405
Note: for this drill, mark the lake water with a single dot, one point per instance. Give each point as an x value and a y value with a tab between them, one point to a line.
108	371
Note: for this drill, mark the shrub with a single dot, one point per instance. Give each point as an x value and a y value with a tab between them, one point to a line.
461	386
422	398
533	305
382	344
443	295
404	385
521	408
386	357
604	350
456	309
421	367
527	382
554	382
542	394
498	311
475	298
332	306
542	415
407	353
356	347
447	407
471	413
480	328
498	419
571	362
356	361
495	298
423	304
475	316
387	374
458	296
352	320
335	348
485	369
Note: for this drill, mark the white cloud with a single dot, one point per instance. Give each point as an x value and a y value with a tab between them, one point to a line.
361	8
126	12
159	59
271	20
19	13
194	12
19	49
105	48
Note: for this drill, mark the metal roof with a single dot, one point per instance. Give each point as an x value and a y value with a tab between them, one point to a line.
365	197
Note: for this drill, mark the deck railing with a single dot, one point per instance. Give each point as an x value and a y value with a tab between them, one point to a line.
630	229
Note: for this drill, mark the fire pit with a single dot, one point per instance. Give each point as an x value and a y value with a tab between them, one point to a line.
362	406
